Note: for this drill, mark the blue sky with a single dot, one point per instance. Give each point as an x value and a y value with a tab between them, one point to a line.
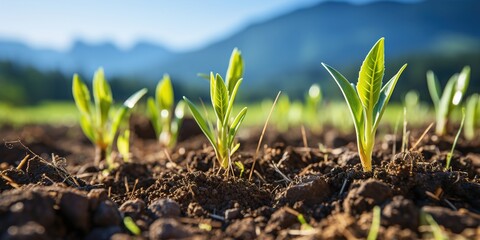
177	24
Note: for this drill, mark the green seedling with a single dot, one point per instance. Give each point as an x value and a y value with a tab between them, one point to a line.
450	154
241	167
373	233
165	120
97	119
282	113
472	116
451	97
313	99
123	145
132	226
368	100
223	95
436	230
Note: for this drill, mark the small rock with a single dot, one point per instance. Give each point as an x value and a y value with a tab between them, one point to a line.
133	208
280	219
194	209
30	230
106	215
168	228
164	208
402	212
233	213
456	221
96	196
242	229
312	190
75	208
103	233
370	193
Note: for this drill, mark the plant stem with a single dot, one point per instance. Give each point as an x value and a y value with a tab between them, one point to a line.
100	154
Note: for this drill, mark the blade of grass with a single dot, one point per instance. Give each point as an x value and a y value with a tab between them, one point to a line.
261	136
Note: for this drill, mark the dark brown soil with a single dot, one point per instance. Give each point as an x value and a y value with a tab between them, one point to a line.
50	189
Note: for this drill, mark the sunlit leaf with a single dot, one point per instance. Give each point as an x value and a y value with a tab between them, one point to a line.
385	95
164	93
200	121
236	124
371	75
461	86
154	115
220	98
102	95
349	94
81	95
433	88
233	95
235	70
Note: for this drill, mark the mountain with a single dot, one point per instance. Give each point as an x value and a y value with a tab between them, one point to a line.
285	52
86	58
339	34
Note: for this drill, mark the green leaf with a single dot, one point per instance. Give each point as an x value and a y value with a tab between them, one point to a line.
235	70
81	95
180	110
385	95
154	116
124	110
132	226
220	99
86	125
471	116
236	125
123	144
177	120
446	101
433	88
102	95
461	86
371	75
164	93
235	148
134	98
349	94
233	95
201	122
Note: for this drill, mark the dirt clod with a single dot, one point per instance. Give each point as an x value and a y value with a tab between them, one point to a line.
164	208
168	228
242	229
401	212
370	193
312	190
454	220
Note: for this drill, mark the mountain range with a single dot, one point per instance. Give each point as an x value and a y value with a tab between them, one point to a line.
279	49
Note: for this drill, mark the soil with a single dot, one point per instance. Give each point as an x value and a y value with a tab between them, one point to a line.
50	189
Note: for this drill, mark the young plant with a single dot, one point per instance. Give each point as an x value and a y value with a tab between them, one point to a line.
472	116
123	145
450	154
282	116
165	120
97	120
451	97
223	95
313	99
368	100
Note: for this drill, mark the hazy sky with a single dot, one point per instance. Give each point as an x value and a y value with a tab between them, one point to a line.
177	24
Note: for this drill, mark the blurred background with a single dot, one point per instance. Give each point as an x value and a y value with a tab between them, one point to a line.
283	42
